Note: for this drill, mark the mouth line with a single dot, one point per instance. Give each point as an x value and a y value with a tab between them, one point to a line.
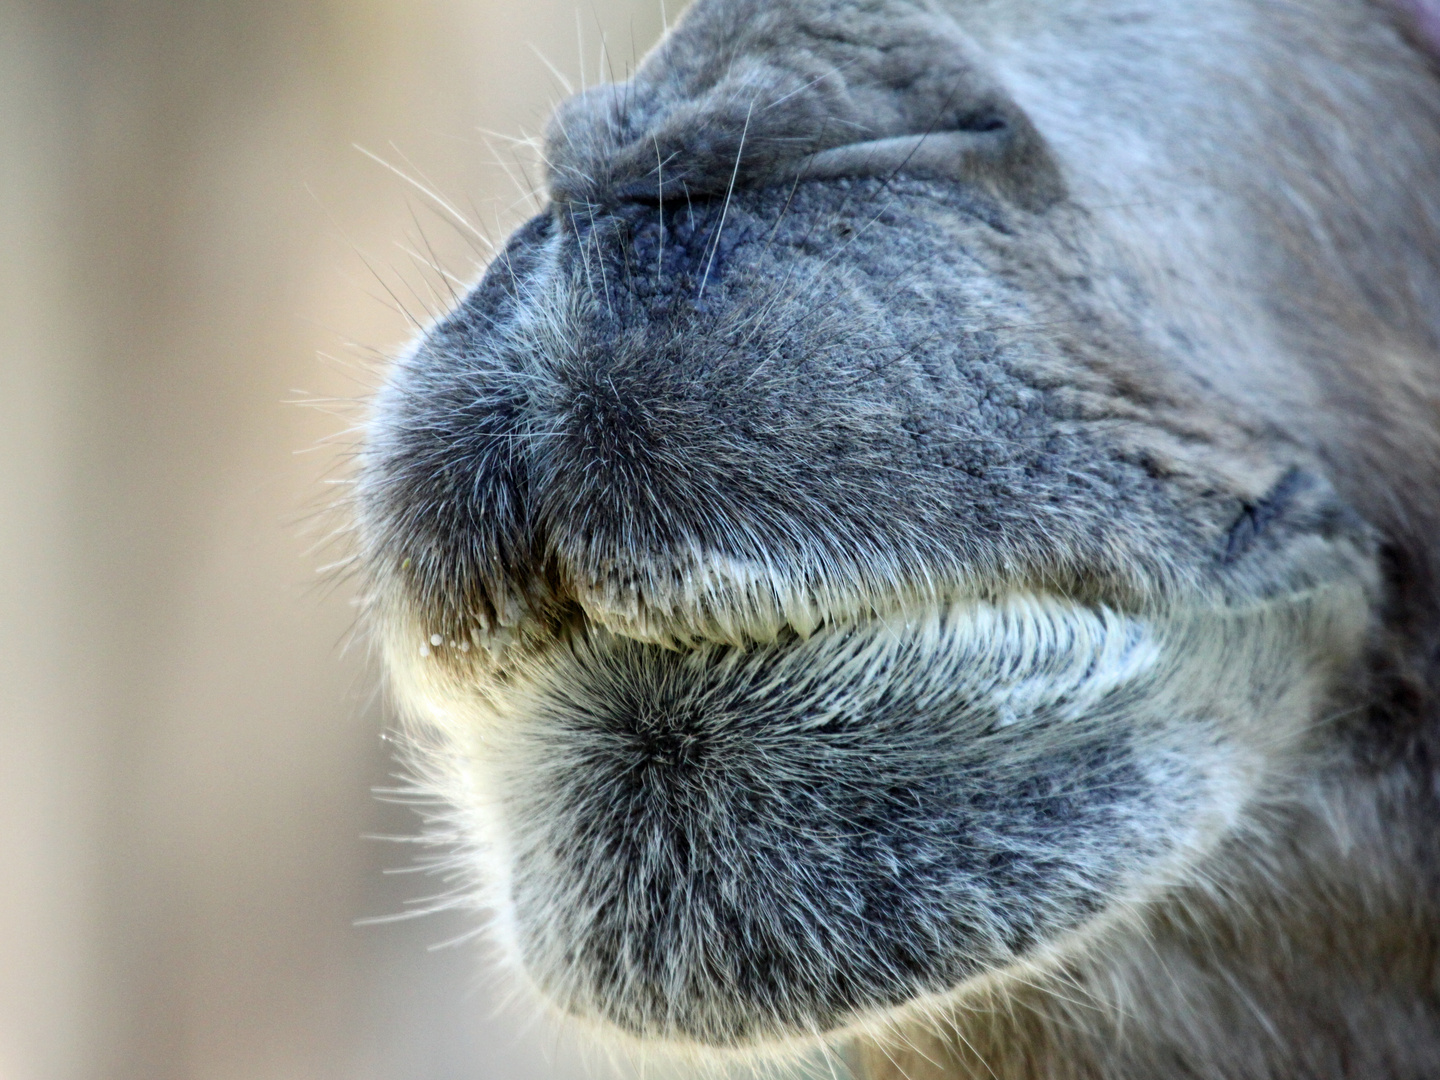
736	607
1026	654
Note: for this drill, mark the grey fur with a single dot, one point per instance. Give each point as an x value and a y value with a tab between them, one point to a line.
931	536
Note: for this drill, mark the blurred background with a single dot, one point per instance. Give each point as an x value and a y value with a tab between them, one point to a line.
190	243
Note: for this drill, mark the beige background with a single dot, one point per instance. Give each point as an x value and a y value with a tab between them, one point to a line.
188	240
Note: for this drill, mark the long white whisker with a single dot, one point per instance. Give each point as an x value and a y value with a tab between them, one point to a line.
725	209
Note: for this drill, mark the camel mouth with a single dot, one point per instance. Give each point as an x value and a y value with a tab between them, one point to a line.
732	845
742	845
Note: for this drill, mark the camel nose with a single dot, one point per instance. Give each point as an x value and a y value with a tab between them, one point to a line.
625	412
752	104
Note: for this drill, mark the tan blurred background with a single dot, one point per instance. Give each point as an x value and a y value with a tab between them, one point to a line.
186	233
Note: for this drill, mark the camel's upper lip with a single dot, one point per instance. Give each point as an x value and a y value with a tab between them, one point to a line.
528	640
736	610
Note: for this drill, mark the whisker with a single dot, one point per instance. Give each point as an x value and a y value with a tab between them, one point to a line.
725	208
565	84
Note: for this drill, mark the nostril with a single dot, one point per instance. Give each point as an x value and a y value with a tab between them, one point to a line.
995	148
982	123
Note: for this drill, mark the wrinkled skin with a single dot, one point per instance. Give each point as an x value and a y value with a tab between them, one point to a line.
933	531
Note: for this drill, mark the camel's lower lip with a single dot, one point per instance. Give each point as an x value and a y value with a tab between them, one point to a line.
727	844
